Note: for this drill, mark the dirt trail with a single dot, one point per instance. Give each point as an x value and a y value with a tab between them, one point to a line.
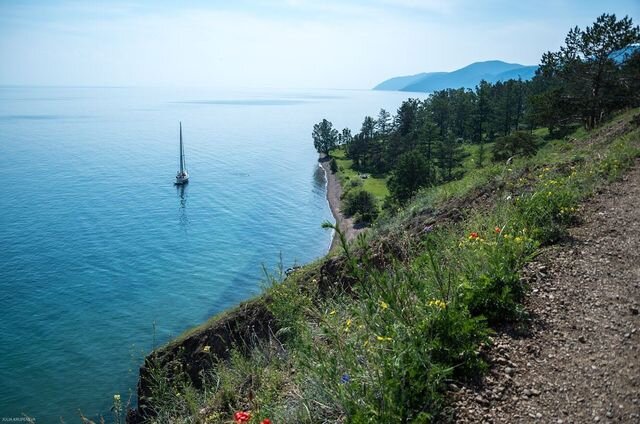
581	361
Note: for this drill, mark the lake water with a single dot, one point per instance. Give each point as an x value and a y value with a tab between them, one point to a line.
98	247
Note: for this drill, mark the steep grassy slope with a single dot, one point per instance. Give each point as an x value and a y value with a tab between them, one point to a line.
375	333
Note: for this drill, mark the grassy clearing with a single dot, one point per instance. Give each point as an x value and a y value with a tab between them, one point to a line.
350	178
383	348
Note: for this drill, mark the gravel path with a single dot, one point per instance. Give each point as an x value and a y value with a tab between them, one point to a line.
580	362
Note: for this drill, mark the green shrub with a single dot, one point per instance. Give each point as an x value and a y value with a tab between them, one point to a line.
362	205
333	166
516	144
549	209
354	182
493	259
385	358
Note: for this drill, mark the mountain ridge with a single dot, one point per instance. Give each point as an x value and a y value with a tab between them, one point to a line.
466	77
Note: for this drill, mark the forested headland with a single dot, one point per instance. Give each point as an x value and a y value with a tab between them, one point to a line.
425	143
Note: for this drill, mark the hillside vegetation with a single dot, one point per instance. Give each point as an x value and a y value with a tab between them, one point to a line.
375	332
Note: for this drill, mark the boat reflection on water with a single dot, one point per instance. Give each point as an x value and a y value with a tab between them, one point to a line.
182	190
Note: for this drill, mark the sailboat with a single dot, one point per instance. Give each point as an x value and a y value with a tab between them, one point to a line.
182	177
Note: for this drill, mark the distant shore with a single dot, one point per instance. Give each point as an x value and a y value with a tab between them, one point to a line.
334	194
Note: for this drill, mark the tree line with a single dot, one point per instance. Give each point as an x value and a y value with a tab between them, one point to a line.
595	73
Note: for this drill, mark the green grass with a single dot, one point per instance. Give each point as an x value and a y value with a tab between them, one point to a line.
376	185
384	348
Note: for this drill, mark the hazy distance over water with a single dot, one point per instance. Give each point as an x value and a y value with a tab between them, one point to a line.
98	247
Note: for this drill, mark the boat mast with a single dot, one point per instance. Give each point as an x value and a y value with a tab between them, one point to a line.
181	152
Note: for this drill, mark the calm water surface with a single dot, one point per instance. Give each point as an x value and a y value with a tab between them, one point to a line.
98	247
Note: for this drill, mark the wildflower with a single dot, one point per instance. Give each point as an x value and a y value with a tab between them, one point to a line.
345	378
116	397
498	230
518	239
333	312
428	229
441	304
241	417
384	305
383	339
473	236
347	325
265	421
206	349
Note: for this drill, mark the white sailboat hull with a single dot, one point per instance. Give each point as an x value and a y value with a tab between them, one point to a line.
182	178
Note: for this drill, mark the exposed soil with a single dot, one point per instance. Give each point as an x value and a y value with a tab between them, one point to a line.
580	361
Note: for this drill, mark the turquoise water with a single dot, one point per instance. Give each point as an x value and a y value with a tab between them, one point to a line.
98	247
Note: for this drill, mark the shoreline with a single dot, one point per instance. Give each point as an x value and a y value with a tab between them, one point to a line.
334	194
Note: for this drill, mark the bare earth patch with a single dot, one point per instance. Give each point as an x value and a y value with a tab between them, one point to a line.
580	361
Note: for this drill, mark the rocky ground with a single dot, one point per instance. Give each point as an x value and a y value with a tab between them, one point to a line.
580	359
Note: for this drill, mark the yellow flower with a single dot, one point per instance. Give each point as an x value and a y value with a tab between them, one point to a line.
333	312
383	339
441	304
384	305
206	349
116	397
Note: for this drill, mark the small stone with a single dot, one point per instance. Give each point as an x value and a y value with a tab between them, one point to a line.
609	414
538	415
535	392
581	339
481	400
627	335
634	310
508	370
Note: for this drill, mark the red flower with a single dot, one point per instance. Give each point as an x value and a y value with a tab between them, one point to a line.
265	421
498	230
241	417
473	235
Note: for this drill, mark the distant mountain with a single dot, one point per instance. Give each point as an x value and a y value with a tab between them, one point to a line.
467	77
398	83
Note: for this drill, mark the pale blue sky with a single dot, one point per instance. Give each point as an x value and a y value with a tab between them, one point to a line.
275	43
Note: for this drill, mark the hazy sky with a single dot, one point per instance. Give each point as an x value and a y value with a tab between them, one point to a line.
275	43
